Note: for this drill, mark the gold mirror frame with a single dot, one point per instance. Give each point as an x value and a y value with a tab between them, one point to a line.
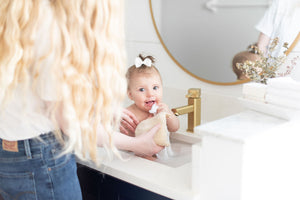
178	64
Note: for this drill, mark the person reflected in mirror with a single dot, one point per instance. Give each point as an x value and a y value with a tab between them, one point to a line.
62	73
145	89
281	20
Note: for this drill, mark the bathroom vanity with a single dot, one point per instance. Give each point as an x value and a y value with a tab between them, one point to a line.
245	156
249	155
96	185
171	177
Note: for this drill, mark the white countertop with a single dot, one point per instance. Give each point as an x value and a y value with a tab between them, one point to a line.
249	155
241	126
172	182
185	181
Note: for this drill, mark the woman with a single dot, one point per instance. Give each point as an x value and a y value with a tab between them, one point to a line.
62	84
281	20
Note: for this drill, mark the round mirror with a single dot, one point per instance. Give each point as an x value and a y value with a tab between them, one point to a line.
203	36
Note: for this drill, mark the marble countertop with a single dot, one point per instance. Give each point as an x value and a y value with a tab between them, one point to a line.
169	181
176	182
241	126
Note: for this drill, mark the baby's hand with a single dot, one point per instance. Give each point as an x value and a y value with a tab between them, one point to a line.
162	107
172	120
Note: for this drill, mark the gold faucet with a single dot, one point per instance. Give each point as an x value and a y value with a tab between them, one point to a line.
193	109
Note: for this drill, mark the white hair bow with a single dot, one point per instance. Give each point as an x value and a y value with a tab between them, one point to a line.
139	62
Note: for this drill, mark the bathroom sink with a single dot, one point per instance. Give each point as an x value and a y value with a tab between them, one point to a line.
180	150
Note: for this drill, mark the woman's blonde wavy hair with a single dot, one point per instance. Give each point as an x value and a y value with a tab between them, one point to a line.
87	60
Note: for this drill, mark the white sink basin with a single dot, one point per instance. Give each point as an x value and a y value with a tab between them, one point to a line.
180	150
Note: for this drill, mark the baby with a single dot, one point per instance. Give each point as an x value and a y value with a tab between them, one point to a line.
146	91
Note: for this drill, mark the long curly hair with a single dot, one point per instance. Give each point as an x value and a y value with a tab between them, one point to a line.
78	47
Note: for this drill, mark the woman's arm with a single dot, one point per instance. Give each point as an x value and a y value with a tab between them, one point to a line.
142	145
263	42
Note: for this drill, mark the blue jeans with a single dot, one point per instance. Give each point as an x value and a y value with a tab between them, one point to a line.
36	172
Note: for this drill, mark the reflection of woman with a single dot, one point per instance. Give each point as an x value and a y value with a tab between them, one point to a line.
280	20
61	68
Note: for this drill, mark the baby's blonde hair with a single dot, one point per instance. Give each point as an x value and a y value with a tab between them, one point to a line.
143	69
87	57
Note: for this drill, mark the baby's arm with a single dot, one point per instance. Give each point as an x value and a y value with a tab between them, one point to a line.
172	120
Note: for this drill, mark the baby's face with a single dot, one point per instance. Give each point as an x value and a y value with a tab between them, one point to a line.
145	90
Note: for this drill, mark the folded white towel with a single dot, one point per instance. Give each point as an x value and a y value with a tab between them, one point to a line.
286	93
271	109
286	83
254	98
282	101
254	91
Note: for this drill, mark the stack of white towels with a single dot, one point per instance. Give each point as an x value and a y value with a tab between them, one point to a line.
254	91
283	91
280	97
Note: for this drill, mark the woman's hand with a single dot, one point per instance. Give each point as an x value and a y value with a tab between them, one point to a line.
145	145
128	123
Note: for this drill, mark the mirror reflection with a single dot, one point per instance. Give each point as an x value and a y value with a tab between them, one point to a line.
203	36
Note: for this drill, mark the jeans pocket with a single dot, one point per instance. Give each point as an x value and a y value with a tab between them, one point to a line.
65	180
17	186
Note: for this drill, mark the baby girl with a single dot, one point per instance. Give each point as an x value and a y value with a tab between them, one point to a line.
146	91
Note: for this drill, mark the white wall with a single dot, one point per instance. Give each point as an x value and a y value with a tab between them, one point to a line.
141	38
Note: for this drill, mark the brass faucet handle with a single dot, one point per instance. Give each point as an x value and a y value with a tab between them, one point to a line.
193	93
175	112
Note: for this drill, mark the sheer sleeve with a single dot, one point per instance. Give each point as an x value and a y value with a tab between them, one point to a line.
267	22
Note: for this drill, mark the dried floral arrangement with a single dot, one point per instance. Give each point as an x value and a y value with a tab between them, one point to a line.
265	67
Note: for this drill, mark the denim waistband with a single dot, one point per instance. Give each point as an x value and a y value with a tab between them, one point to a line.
28	144
46	137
